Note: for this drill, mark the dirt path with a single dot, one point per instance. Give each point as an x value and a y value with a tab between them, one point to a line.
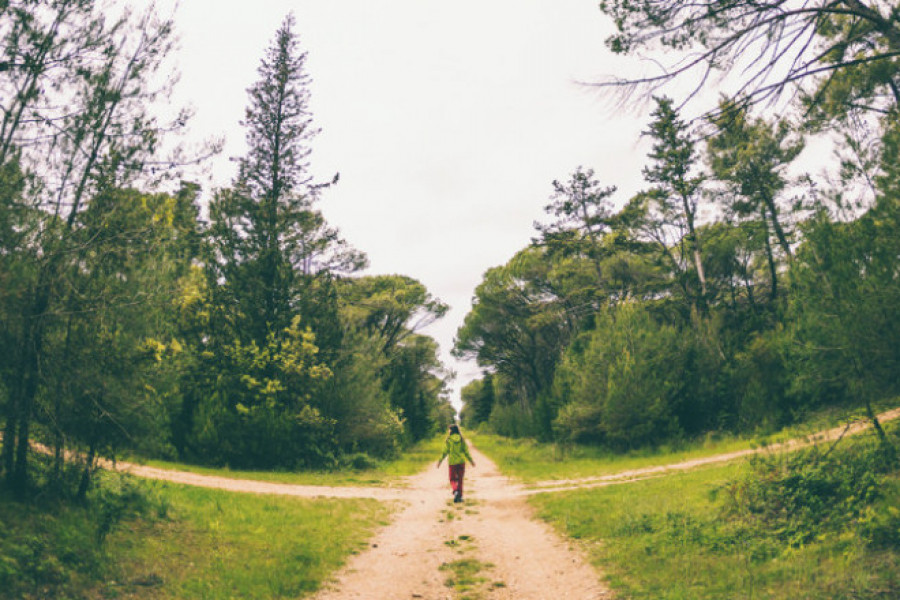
494	533
507	491
821	437
508	553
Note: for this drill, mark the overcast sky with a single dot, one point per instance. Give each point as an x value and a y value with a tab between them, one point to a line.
447	121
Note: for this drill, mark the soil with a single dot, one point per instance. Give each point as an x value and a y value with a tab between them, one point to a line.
493	530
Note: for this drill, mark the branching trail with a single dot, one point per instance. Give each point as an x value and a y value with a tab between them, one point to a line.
507	491
506	552
822	437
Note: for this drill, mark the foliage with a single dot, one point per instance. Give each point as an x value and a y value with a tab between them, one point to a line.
800	497
284	361
258	415
77	133
732	295
167	541
622	384
519	325
842	53
53	549
807	525
478	400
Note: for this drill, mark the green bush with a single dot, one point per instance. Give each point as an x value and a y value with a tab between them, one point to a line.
625	383
359	462
48	549
802	496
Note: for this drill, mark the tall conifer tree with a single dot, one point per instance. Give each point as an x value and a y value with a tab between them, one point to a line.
270	240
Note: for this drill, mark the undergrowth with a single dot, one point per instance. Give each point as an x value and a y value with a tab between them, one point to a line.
808	524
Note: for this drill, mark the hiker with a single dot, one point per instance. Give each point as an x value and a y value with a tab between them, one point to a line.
455	447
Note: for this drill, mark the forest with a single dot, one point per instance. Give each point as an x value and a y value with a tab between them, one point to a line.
135	321
205	394
746	284
742	287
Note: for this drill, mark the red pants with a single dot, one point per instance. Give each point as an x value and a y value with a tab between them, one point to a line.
457	472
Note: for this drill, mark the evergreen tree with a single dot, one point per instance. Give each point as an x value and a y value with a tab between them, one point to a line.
270	281
674	198
270	242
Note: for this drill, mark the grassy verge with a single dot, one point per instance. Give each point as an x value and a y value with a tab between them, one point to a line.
178	542
532	461
223	545
785	527
377	473
664	539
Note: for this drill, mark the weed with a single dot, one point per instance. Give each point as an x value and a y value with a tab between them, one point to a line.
465	574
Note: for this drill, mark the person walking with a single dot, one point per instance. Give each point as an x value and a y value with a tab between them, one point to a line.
456	451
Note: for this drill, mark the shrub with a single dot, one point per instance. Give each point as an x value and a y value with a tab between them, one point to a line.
801	496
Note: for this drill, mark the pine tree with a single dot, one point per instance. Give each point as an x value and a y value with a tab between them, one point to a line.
271	285
270	240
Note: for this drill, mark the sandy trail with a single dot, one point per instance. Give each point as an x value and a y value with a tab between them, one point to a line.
488	492
830	435
517	556
521	558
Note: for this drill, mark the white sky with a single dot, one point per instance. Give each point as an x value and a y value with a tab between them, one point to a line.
446	120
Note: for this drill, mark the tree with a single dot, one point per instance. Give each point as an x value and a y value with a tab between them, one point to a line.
98	380
847	45
623	381
269	241
270	277
519	324
751	157
77	124
391	309
844	318
670	206
582	210
478	400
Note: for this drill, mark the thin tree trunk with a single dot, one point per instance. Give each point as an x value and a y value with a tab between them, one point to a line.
31	353
9	436
770	255
695	247
85	483
769	205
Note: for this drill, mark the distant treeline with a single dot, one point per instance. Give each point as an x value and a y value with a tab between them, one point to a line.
128	322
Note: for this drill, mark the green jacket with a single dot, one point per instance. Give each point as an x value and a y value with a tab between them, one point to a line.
455	447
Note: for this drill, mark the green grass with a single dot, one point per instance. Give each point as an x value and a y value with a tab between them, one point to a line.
532	461
466	576
179	542
410	462
667	539
220	545
170	541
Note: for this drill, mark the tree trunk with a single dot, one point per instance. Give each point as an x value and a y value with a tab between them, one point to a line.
32	348
9	437
85	483
694	240
770	255
769	205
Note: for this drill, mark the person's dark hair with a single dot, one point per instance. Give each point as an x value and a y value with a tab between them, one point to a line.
454	429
